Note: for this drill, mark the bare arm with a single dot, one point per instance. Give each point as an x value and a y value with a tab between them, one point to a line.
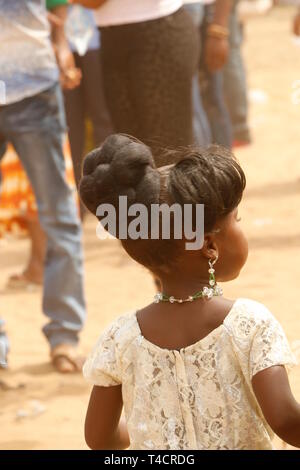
103	429
222	12
89	3
57	28
217	44
296	24
280	409
70	75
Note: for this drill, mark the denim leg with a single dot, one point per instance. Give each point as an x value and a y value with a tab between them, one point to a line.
197	12
36	127
213	93
216	109
202	133
235	82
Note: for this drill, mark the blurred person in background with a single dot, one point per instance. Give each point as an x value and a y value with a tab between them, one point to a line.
18	209
150	52
87	99
32	120
235	82
235	79
215	38
202	131
211	18
223	84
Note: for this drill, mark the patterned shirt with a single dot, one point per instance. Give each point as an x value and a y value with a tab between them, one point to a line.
27	60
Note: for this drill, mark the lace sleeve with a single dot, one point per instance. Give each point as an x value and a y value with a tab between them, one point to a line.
102	367
270	347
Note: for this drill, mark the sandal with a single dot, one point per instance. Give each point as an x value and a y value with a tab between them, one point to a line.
21	282
65	360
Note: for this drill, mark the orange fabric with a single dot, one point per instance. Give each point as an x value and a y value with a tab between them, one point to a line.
17	200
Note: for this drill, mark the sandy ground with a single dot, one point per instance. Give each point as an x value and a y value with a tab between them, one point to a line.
45	410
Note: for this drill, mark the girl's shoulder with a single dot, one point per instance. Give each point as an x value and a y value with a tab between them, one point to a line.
257	337
102	366
121	331
247	316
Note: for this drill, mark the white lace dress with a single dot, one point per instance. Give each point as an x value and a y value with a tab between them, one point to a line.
201	396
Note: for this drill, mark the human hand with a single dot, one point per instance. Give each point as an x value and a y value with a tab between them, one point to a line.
296	25
70	75
216	51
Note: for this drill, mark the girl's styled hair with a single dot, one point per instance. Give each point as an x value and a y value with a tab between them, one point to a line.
124	166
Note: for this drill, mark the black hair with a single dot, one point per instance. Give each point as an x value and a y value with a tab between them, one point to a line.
125	166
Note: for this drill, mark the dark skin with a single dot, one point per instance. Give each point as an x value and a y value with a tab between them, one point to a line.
296	24
165	325
70	76
216	50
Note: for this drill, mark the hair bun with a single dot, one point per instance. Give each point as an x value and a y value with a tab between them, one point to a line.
121	166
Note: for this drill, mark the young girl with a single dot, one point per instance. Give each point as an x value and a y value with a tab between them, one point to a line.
193	370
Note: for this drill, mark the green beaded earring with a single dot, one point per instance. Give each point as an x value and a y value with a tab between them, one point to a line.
212	279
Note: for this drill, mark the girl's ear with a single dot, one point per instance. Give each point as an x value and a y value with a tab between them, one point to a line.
210	248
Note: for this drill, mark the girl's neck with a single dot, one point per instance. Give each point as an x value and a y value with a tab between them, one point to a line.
182	288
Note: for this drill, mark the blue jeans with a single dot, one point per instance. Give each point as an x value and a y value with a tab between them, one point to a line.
202	134
212	89
215	107
235	82
35	127
202	131
197	11
211	118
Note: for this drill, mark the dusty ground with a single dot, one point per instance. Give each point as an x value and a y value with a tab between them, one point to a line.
271	217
